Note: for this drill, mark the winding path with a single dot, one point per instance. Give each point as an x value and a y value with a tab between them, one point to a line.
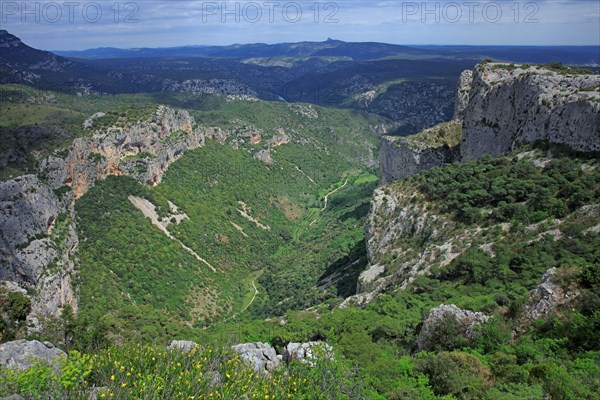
330	193
326	200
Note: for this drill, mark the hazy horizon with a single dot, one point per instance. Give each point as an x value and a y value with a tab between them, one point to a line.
153	24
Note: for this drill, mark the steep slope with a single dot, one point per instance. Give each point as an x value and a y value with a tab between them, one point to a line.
269	167
401	157
511	105
20	62
433	220
38	221
499	107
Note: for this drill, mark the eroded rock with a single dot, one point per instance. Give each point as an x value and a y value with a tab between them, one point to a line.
22	354
260	356
467	320
308	352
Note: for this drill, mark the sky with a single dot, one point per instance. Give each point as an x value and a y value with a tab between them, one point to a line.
78	25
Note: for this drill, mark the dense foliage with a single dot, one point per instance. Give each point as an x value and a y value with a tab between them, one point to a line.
149	372
300	254
252	221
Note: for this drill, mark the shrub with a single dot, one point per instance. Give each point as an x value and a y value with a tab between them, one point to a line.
460	374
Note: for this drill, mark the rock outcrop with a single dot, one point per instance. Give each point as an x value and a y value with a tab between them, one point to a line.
466	319
547	298
401	157
260	356
512	105
183	345
499	107
463	91
308	352
37	219
22	354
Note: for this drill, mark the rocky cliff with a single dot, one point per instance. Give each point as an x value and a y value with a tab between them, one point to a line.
38	233
510	105
38	236
497	108
401	157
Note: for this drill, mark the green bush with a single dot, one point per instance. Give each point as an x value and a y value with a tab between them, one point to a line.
459	374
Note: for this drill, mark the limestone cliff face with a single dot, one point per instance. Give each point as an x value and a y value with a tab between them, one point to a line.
143	151
405	237
37	219
401	157
497	108
510	106
463	91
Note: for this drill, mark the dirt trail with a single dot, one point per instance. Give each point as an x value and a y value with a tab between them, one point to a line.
245	212
303	173
234	316
332	192
326	200
149	210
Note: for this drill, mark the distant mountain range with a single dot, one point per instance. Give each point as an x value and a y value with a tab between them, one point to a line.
580	55
412	85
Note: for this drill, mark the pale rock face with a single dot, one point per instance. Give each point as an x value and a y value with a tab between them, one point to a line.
397	160
31	206
22	354
462	94
264	155
28	209
308	352
280	138
368	276
401	157
544	300
183	345
467	320
509	108
260	356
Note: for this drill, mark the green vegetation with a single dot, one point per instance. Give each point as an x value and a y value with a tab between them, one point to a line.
14	307
151	372
502	190
294	230
35	123
557	357
251	221
552	66
568	69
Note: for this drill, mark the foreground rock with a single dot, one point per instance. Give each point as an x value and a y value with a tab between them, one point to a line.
22	354
183	345
308	352
467	320
260	356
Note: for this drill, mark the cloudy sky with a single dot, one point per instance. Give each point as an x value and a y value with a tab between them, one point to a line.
75	25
